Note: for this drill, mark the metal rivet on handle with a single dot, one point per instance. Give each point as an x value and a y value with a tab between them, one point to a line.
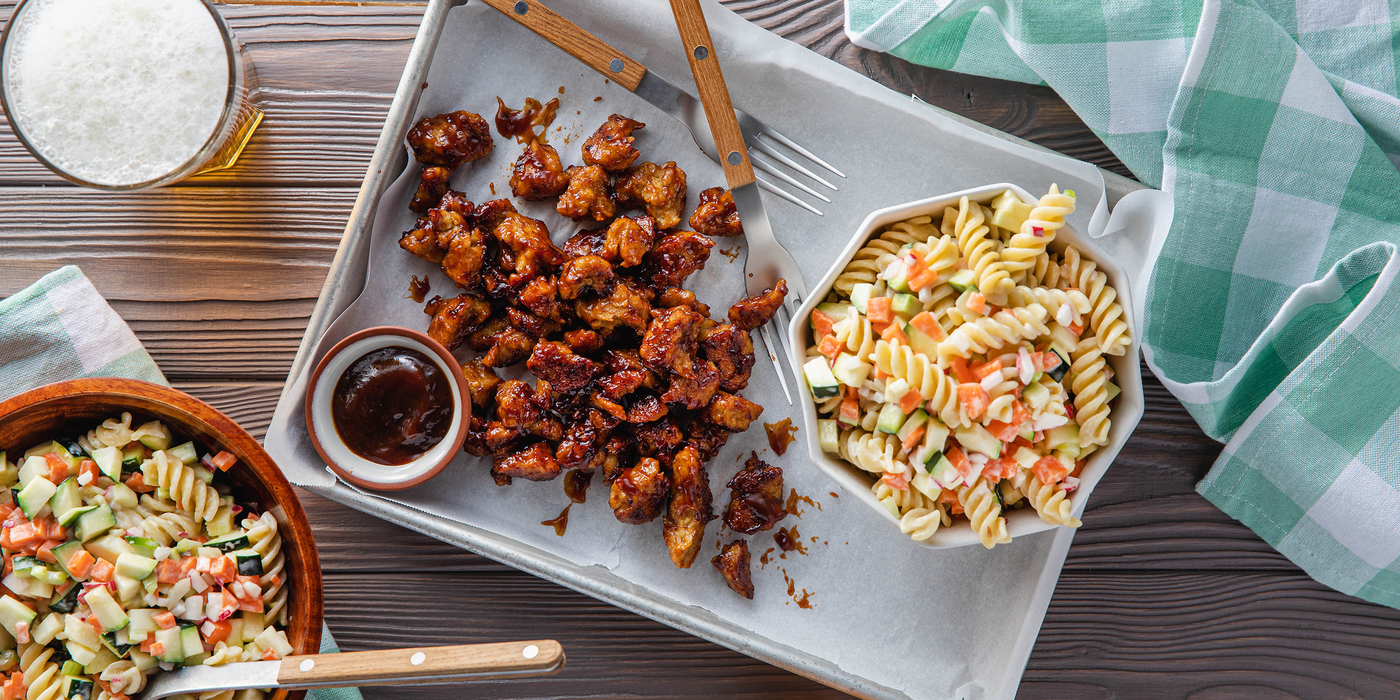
531	651
701	53
616	65
522	7
734	158
418	658
307	664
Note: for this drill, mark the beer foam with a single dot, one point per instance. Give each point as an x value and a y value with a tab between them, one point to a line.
117	92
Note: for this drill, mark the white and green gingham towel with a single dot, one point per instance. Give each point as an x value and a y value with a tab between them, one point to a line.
61	328
1271	311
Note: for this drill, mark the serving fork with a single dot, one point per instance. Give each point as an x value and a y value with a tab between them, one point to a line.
627	72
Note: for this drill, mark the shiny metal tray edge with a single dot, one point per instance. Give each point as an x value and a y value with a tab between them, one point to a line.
343	284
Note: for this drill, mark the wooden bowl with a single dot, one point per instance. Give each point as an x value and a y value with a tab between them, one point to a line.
73	407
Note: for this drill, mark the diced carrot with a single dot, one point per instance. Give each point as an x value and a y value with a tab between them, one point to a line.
896	480
251	604
45	551
187	565
913	438
1048	360
80	564
24	534
1019	414
977	302
157	649
221	631
880	310
830	347
974	400
14	687
1021	442
1076	328
147	642
910	401
928	325
962	373
51	529
269	655
920	277
1050	470
6	509
1078	467
1006	432
881	374
230	602
58	469
224	460
959	460
850	410
102	571
820	320
95	625
165	619
894	333
136	483
223	569
22	632
168	571
89	467
986	369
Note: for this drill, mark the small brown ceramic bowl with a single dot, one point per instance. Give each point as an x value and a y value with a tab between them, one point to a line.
320	395
68	409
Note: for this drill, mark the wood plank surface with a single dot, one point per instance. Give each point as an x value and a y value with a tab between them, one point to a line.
1163	596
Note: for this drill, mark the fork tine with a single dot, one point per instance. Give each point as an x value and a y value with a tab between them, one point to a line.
785	195
769	168
777	366
770	133
782	158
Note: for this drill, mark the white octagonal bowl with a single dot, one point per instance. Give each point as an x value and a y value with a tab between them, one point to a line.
1125	412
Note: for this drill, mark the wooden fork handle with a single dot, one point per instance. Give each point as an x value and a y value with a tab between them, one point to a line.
539	657
714	94
570	37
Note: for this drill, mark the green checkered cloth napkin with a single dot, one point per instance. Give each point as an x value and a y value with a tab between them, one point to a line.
61	328
1271	311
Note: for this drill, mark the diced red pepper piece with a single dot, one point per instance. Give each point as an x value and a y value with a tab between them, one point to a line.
224	460
974	400
101	571
928	325
822	322
1050	470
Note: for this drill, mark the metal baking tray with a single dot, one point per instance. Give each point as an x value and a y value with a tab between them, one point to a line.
343	284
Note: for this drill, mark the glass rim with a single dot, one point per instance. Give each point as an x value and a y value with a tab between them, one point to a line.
189	167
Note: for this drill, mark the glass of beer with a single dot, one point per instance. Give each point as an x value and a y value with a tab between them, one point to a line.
126	94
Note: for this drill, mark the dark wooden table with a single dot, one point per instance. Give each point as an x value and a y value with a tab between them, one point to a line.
1163	596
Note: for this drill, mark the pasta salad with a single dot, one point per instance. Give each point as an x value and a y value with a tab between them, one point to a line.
960	360
123	555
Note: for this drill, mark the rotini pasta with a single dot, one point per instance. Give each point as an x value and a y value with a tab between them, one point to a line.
965	371
188	491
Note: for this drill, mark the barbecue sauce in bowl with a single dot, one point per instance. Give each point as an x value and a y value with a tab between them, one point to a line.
392	405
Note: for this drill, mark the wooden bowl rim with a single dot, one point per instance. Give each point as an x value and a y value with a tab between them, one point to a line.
445	360
264	467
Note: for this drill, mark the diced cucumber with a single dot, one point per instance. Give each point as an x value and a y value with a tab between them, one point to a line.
44	632
964	280
1057	372
67	519
185	545
895	390
1025	458
1009	212
229	543
890	505
53	577
100	661
926	485
35	496
108	547
850	370
920	342
141	546
132	457
24	563
75	688
72	668
67	601
53	447
944	473
222	522
106	609
81	633
185	452
13	612
925	456
828	435
937	435
109	461
79	653
860	294
1035	395
128	589
1113	391
899	280
977	439
143	622
906	306
189	637
1026	431
890	420
94	523
1067	434
33	468
122	496
154	435
916	420
135	566
65	498
203	474
1063	339
143	661
820	380
249	562
9	471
